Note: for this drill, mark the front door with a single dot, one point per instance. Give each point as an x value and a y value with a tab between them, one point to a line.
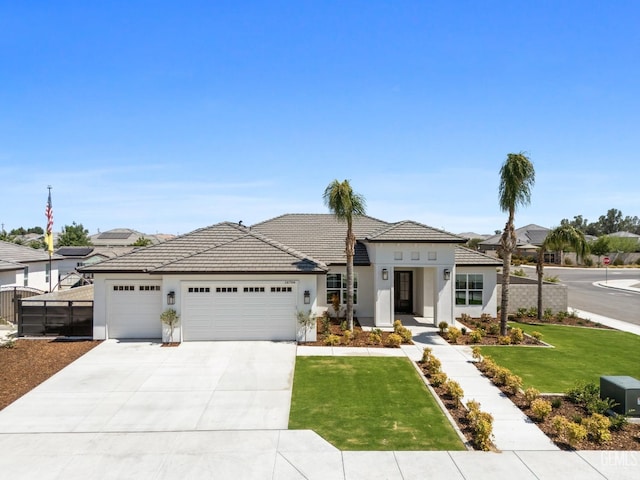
403	287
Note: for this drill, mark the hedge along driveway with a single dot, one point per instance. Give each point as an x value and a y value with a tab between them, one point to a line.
368	403
580	355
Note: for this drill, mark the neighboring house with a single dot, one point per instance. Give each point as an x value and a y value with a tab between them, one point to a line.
74	257
528	239
626	235
27	267
230	282
122	237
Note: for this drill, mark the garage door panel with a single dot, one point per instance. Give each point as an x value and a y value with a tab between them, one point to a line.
134	312
239	313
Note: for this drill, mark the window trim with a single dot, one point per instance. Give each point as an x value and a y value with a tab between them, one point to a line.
342	289
464	296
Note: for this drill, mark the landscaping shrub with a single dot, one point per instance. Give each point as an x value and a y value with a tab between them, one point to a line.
443	326
465	317
513	383
532	312
343	325
530	394
540	409
494	329
375	338
347	336
454	390
618	261
453	334
332	340
433	366
504	340
335	304
405	334
438	379
475	336
556	402
516	335
571	432
427	354
519	272
588	262
568	261
490	366
485	317
537	335
582	393
551	279
547	314
397	325
560	316
481	424
521	312
8	344
476	353
617	422
597	428
463	330
500	376
394	340
325	322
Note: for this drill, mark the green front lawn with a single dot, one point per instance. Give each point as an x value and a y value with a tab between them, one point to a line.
580	355
368	403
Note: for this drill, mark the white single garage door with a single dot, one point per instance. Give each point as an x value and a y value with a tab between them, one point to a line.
134	310
239	311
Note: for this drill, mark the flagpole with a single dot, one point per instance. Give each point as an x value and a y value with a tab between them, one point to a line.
49	235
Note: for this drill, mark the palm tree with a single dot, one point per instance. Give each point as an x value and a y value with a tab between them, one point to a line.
558	239
517	176
345	204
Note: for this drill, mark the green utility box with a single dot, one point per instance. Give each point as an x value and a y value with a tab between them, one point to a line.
625	391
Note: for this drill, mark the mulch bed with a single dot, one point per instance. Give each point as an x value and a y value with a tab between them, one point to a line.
360	337
628	438
31	362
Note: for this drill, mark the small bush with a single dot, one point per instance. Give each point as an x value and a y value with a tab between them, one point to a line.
405	334
454	390
485	317
375	338
394	340
344	325
530	394
532	312
501	375
427	354
582	393
559	424
397	325
490	366
597	428
521	312
443	327
434	366
8	344
560	316
453	334
537	335
504	340
551	279
540	409
481	424
618	261
568	261
600	405
617	422
556	402
513	383
438	379
575	433
325	322
465	317
347	336
475	336
547	314
463	330
476	353
519	272
588	262
494	329
332	340
516	335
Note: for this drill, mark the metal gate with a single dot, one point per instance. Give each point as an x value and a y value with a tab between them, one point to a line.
69	318
9	297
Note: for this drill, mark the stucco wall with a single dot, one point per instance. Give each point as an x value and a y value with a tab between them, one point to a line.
554	297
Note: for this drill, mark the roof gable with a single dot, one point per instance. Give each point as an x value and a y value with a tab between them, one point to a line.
414	232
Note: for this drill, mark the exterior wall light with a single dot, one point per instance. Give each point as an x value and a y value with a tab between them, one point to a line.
385	274
171	298
307	297
447	274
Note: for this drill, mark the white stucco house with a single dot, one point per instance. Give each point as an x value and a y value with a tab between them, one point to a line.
22	266
231	282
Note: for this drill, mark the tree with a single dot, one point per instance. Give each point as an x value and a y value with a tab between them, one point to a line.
142	242
472	243
345	204
578	223
74	235
600	246
557	240
517	177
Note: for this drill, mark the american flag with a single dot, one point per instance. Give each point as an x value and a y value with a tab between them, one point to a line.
49	213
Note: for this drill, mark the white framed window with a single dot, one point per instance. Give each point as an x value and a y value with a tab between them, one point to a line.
337	285
469	287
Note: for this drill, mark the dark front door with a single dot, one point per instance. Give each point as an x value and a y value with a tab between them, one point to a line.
403	287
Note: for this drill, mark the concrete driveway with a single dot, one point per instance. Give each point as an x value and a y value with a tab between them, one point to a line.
139	386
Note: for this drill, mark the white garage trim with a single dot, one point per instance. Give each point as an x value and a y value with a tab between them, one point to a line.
247	310
134	309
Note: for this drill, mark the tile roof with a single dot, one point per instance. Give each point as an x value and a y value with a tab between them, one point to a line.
220	248
466	256
320	235
9	266
19	254
532	233
410	231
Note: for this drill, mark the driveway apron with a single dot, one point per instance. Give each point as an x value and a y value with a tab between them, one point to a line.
140	386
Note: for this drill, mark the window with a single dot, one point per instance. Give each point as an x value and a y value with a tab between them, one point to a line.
397	255
281	289
26	276
432	255
469	288
47	273
253	289
226	289
124	288
415	255
149	288
199	290
337	285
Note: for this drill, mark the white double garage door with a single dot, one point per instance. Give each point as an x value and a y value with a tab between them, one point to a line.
209	310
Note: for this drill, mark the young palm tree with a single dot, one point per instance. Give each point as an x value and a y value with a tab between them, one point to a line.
517	176
345	205
558	239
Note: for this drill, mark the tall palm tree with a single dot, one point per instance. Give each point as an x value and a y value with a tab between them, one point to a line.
517	176
558	239
345	204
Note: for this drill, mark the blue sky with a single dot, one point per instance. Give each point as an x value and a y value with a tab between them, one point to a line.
170	116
